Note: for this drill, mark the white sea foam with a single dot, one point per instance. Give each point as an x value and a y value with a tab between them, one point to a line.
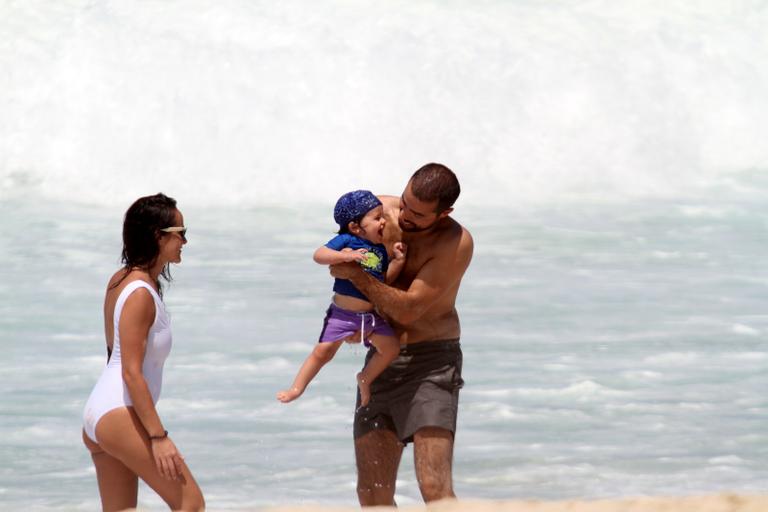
642	375
581	391
47	434
86	336
666	255
243	104
748	356
673	358
745	330
270	365
729	460
197	406
711	212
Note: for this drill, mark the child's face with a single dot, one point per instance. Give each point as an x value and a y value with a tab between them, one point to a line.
371	227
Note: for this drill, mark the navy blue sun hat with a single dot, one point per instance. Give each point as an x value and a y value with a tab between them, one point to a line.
352	206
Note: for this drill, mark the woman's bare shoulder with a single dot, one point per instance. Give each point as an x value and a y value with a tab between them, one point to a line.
122	277
117	277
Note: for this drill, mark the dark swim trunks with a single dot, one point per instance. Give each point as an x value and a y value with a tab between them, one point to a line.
418	389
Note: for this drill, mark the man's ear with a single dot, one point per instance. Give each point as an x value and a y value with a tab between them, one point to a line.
445	213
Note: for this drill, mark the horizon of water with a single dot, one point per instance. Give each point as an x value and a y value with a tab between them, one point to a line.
614	178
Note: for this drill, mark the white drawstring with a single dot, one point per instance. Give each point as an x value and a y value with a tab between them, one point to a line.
362	325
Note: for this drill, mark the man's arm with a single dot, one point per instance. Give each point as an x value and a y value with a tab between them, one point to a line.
437	276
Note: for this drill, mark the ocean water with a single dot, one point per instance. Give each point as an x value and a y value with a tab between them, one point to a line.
609	350
613	167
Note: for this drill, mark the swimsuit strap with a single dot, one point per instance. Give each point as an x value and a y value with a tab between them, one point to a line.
123	297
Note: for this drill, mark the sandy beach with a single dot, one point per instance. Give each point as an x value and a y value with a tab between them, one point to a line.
718	503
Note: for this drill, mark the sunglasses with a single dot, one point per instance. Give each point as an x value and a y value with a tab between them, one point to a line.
181	230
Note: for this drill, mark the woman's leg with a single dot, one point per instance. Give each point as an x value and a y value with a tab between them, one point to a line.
122	436
118	485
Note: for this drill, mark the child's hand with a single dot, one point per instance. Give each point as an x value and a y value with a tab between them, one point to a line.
399	250
350	256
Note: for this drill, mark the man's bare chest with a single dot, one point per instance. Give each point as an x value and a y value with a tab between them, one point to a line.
416	258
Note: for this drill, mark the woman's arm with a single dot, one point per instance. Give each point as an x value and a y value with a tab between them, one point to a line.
136	318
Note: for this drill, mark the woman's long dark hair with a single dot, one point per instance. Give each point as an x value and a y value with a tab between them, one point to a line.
141	231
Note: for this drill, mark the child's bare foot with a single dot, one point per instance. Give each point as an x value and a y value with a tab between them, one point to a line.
288	395
365	389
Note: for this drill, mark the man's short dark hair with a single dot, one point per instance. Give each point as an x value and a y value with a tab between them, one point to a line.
436	182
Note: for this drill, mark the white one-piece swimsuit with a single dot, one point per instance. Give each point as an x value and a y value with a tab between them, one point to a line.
110	391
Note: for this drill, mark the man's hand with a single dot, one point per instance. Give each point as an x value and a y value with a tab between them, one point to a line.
345	270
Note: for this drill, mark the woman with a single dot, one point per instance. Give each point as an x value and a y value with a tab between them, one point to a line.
121	428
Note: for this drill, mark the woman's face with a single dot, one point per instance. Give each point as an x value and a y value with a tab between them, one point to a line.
171	243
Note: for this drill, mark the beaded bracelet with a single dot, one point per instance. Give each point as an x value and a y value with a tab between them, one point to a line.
156	438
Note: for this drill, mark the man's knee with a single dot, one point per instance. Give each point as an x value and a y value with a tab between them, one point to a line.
376	484
375	494
433	450
377	455
435	487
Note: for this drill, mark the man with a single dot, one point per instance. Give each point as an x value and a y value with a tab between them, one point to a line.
416	397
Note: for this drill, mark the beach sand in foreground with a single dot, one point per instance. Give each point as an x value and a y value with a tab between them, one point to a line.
719	503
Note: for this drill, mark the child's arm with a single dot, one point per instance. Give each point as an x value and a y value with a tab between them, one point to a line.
399	249
321	354
327	256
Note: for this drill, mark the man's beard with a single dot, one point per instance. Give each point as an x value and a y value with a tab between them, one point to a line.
412	228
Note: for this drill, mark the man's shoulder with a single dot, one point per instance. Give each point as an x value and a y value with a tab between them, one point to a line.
465	235
447	250
445	238
453	232
389	200
452	240
391	205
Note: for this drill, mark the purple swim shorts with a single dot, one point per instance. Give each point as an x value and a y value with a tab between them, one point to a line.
341	323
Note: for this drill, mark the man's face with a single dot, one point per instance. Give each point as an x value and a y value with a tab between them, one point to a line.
416	215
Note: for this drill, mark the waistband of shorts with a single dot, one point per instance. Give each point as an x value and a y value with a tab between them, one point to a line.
350	312
449	344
